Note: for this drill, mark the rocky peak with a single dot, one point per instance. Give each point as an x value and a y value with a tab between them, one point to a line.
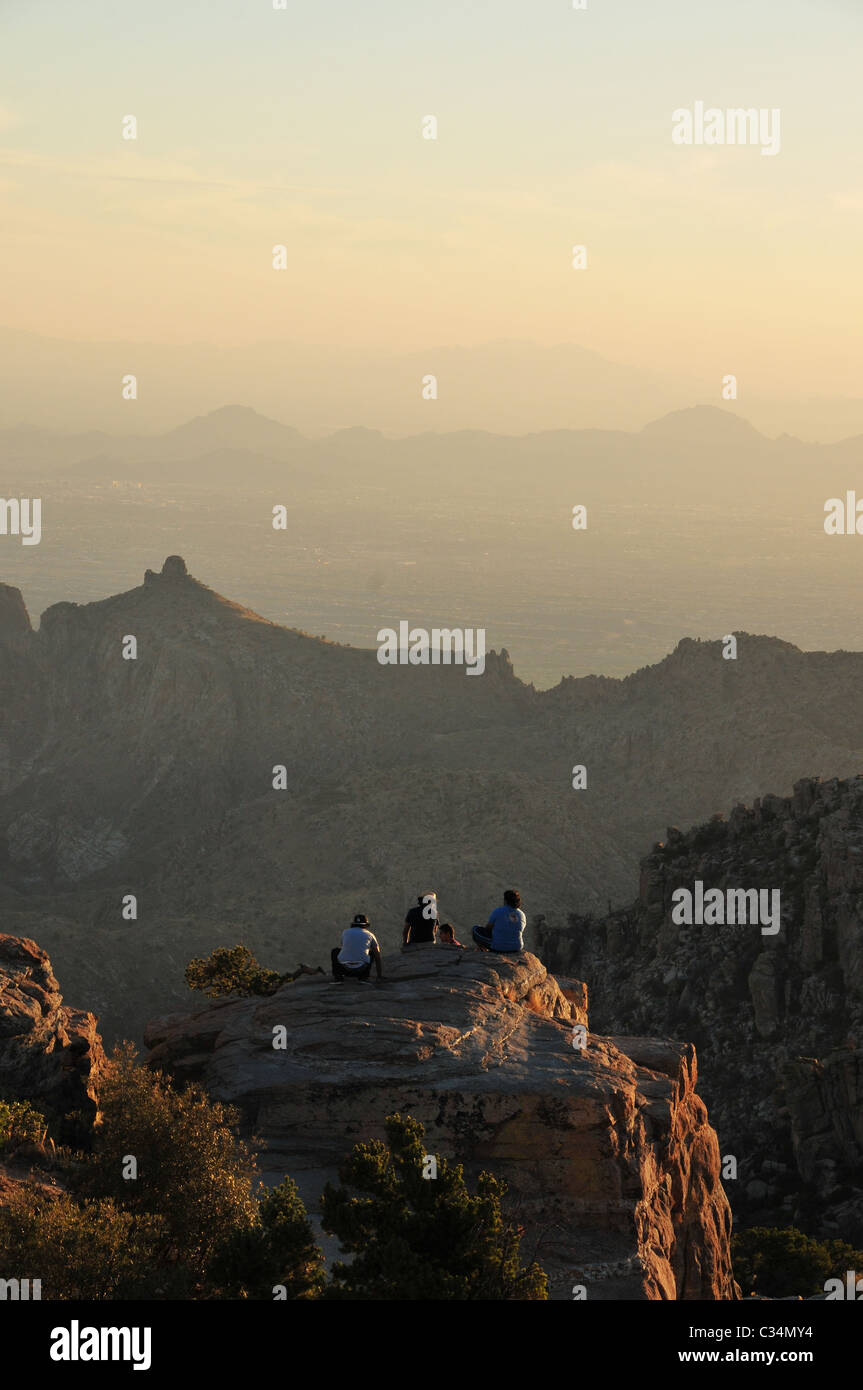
14	618
607	1149
500	663
173	571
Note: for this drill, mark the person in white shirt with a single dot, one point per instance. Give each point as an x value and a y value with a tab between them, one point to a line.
353	959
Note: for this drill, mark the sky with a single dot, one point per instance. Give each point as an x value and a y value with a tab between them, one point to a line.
303	127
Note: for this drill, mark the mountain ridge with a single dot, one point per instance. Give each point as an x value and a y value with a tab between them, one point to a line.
15	614
157	777
216	423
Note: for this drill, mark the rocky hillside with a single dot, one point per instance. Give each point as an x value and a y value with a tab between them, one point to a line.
607	1150
777	1019
50	1054
154	777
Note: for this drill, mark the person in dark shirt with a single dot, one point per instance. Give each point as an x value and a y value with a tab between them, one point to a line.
421	921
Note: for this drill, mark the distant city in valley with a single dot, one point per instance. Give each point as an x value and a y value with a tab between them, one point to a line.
695	526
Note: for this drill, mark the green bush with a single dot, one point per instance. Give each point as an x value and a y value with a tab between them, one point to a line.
192	1170
421	1238
90	1250
231	970
20	1123
783	1262
277	1249
188	1224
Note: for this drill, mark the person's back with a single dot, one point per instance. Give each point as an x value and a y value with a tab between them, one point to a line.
357	943
504	930
421	921
359	950
508	924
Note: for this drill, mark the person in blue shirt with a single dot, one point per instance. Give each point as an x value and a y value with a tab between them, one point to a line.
504	930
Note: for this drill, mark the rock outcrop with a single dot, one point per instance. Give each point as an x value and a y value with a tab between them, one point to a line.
777	1019
607	1150
50	1054
14	618
173	571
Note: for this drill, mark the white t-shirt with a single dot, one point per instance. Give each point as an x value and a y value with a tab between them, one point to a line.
356	944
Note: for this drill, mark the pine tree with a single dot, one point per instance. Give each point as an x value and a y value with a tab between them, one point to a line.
416	1237
276	1252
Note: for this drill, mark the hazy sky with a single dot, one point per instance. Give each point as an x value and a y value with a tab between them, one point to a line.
303	126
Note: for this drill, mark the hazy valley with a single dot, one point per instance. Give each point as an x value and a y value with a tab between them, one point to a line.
696	526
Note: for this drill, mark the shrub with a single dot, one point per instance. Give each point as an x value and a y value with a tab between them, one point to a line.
192	1170
20	1123
421	1238
190	1214
783	1262
87	1251
231	970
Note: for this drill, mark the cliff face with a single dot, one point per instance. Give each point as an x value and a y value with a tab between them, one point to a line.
777	1019
608	1151
50	1054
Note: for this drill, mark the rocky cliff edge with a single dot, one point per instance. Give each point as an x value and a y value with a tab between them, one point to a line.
607	1149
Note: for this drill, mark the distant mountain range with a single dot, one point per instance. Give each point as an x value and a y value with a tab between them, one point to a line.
700	454
154	778
505	386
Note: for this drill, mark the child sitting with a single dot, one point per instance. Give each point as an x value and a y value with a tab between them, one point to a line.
446	936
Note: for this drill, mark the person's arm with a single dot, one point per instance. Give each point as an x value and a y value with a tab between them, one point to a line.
406	931
375	953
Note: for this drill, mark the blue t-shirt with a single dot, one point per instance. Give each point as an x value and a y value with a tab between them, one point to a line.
508	924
